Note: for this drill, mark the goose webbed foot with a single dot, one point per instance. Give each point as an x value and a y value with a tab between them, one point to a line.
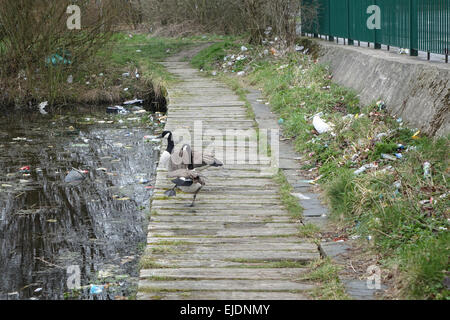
171	192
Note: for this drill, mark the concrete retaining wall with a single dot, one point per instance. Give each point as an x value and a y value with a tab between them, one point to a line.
418	91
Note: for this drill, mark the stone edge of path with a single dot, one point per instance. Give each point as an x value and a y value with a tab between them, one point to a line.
314	211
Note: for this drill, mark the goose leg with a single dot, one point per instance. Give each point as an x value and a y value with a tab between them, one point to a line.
171	192
195	197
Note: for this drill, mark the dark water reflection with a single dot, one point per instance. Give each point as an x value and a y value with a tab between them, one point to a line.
47	225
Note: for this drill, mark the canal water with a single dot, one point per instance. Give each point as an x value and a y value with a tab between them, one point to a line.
56	235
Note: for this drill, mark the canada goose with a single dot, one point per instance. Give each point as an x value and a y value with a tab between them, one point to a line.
187	158
188	181
165	157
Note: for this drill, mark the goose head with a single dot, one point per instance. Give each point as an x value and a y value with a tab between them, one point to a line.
167	135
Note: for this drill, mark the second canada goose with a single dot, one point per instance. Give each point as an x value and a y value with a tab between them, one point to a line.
188	181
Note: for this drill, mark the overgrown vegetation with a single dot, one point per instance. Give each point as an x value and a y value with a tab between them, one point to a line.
393	199
232	17
38	50
326	274
289	201
42	60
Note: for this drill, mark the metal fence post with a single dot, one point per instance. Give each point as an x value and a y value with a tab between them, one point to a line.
413	29
349	36
330	38
376	45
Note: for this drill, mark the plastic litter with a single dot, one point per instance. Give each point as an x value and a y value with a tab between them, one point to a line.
116	110
364	168
42	106
241	73
427	170
131	102
25	169
143	181
70	79
60	57
416	135
280	121
320	125
381	136
244	48
388	157
381	105
75	176
96	289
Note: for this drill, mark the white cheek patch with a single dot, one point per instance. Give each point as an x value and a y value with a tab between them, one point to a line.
165	157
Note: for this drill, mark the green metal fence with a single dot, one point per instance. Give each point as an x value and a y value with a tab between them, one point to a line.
414	24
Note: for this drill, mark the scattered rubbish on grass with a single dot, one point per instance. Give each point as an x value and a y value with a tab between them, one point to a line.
280	121
103	274
416	135
70	79
135	101
320	125
381	105
60	57
365	168
427	170
388	157
96	289
42	106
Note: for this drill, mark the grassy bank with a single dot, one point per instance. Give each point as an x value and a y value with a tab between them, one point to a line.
125	68
393	201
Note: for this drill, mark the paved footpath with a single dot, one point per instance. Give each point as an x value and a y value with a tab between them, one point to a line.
238	242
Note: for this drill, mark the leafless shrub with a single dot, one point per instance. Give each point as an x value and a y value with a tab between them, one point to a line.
251	17
32	31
